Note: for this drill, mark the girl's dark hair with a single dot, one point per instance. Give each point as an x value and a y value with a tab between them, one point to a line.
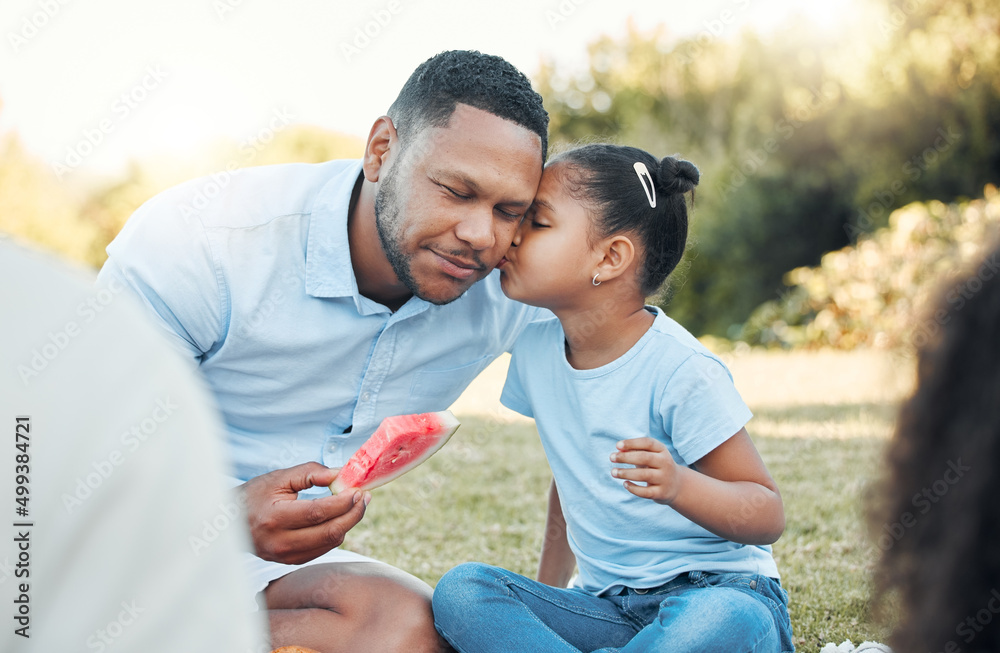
604	177
938	519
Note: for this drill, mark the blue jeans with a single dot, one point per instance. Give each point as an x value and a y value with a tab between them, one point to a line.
479	608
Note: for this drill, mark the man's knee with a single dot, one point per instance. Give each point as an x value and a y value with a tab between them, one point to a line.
350	588
373	607
405	624
390	617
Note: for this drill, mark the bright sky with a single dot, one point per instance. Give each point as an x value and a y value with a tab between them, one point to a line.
137	78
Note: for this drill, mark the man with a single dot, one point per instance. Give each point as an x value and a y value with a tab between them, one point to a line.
318	299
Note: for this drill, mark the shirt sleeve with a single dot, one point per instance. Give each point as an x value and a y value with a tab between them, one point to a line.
700	407
163	257
513	395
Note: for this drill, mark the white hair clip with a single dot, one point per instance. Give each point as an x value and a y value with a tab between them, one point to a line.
643	172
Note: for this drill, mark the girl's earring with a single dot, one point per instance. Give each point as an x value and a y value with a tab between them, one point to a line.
595	281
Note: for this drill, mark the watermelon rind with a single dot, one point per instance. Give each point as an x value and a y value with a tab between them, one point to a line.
448	423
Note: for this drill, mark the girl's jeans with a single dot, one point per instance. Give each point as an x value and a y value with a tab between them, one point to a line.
479	608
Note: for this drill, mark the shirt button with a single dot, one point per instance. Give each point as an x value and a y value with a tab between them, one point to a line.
366	396
332	447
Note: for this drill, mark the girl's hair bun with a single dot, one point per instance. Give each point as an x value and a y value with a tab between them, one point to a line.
678	175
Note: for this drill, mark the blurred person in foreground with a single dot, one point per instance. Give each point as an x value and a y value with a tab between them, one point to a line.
125	538
938	518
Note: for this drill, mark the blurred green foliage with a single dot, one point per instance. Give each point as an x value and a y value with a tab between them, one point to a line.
80	223
35	207
804	142
108	207
882	291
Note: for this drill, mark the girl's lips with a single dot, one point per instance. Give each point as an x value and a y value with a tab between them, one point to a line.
502	263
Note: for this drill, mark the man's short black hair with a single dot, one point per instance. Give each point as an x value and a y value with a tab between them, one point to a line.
480	80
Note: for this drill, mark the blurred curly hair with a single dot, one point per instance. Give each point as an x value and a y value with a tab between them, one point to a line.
938	519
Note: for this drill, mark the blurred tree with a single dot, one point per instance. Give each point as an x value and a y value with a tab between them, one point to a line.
35	207
875	293
801	147
107	208
309	144
927	122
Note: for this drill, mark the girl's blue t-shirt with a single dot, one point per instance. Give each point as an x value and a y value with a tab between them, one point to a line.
667	386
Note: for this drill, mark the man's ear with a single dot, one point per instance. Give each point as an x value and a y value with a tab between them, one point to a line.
382	143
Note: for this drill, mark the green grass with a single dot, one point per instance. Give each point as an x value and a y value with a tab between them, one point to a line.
483	498
825	556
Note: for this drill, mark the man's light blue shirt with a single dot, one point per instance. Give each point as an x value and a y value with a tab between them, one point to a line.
668	387
250	274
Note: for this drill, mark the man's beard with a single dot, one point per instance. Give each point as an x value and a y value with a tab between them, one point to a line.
389	223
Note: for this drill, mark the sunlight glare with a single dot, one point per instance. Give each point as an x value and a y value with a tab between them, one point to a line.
829	17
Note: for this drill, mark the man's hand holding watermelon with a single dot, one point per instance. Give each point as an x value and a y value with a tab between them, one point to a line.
293	532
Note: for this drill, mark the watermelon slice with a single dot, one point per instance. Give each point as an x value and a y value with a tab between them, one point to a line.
398	445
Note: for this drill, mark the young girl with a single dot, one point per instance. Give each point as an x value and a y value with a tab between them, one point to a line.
659	497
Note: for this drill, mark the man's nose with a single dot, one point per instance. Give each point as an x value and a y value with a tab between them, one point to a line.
476	228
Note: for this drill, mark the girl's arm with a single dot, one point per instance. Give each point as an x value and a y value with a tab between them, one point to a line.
557	562
729	492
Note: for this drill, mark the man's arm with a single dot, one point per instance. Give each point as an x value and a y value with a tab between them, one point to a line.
164	259
113	278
